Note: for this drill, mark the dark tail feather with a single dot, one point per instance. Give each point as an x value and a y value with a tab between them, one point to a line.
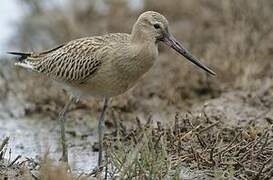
22	56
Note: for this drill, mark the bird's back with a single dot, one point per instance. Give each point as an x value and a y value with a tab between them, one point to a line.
75	61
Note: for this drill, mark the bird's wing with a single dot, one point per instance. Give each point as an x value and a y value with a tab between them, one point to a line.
72	62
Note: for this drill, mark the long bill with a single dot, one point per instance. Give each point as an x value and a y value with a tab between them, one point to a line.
173	43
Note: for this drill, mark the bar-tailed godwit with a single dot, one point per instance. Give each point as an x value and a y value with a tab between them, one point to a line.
104	66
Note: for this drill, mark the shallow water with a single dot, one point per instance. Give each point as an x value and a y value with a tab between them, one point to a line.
32	138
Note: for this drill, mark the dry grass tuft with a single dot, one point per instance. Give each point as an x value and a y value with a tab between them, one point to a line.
51	171
28	169
11	169
202	147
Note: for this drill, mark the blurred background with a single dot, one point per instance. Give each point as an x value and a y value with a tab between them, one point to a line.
233	37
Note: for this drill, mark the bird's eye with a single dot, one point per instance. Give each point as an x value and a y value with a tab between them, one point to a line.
156	26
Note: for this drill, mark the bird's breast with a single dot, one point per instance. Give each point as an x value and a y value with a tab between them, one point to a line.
120	72
141	62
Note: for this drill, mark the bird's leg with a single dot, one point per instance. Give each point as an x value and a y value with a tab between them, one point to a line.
100	130
62	124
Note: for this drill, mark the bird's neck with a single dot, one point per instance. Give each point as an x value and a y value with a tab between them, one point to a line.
139	35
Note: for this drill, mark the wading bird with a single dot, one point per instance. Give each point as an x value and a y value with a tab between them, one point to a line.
104	66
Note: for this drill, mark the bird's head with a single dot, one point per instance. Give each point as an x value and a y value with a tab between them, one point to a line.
154	26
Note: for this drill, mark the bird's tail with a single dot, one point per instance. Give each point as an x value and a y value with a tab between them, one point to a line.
29	59
21	56
22	59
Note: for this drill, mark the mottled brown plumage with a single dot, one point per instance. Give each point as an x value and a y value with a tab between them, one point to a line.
107	65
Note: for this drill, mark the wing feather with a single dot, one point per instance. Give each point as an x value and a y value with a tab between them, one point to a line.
75	61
